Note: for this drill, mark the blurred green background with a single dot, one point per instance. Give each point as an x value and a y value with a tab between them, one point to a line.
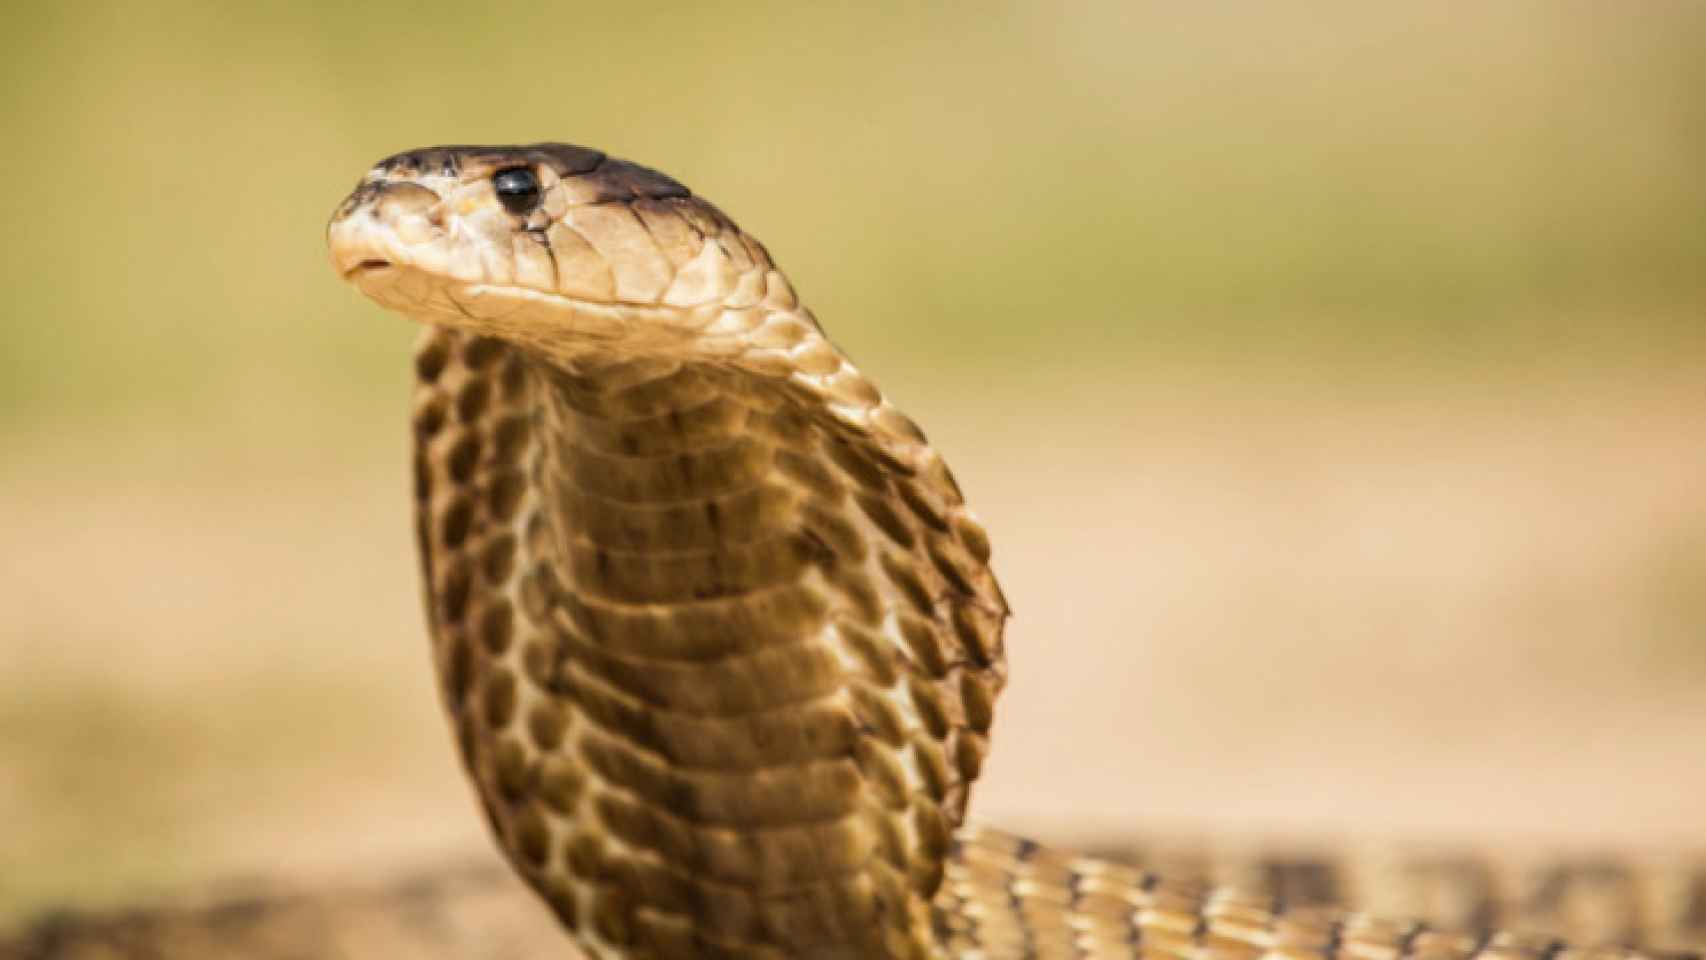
1330	375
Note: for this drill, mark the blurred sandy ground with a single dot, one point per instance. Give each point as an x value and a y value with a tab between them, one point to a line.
1333	381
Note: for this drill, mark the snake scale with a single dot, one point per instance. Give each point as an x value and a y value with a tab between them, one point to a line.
716	631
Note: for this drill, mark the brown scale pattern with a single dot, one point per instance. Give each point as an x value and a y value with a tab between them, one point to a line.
1007	897
665	678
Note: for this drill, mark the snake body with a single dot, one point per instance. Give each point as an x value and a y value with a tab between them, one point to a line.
716	631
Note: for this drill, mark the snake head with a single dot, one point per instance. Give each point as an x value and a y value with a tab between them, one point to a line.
550	245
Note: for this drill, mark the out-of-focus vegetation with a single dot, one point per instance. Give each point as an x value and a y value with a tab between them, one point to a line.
1327	373
1040	183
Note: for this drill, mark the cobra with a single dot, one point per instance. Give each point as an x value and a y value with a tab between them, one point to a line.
715	628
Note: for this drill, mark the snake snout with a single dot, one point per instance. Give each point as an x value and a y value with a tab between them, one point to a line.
380	220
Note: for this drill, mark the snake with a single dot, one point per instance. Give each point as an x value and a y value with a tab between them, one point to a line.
715	629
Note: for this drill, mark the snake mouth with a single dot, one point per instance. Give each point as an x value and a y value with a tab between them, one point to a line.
369	265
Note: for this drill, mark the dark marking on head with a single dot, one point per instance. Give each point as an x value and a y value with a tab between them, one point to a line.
566	159
613	180
363	193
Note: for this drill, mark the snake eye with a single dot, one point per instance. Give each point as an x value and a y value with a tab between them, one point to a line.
518	189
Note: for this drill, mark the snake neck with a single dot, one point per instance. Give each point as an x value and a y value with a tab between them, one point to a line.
718	638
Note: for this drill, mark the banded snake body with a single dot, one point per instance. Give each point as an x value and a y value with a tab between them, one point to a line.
716	631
